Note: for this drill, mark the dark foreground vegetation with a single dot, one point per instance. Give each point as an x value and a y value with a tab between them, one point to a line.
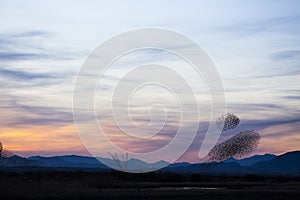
155	185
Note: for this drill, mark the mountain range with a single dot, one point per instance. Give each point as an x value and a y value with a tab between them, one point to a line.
268	164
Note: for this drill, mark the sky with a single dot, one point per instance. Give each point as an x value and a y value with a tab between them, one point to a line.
255	46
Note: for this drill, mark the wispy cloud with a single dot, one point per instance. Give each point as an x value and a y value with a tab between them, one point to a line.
291	97
33	33
254	44
287	55
6	56
24	75
30	115
30	45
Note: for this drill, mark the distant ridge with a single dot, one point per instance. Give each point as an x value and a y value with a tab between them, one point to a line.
286	164
67	161
268	164
246	162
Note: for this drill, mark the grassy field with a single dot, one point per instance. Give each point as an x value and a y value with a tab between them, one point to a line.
115	185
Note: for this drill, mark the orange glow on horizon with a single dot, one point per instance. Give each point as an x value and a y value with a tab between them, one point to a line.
62	140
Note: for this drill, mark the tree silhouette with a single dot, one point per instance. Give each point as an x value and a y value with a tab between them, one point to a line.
120	164
1	149
4	152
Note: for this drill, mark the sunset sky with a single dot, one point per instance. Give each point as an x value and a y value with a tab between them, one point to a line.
255	46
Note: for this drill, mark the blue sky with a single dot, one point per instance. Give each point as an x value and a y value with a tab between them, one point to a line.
255	46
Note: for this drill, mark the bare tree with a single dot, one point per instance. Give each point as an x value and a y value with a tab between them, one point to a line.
4	152
1	149
121	164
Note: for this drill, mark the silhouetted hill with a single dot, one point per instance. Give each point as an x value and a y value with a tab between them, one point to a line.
209	168
268	164
67	161
81	159
288	163
134	164
15	161
181	164
246	162
50	161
